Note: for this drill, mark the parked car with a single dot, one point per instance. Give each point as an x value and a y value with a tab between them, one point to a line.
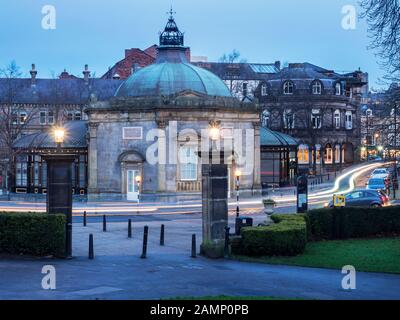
378	183
380	172
365	198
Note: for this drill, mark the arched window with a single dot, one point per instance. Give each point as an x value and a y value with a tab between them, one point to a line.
338	89
328	155
349	120
317	87
264	90
288	87
336	119
318	157
303	155
265	118
368	113
337	154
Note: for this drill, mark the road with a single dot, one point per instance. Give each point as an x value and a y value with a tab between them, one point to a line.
121	211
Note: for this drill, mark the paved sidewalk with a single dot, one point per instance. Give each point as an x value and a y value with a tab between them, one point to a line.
118	273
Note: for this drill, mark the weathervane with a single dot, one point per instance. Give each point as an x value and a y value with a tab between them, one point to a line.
171	13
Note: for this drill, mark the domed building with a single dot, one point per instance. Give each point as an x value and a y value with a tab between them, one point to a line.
151	134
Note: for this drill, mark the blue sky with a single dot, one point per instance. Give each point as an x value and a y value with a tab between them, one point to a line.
98	31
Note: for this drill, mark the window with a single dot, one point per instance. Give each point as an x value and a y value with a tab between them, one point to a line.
245	89
264	90
78	115
132	133
50	117
349	120
303	156
338	89
336	119
42	117
288	119
316	120
317	87
70	116
82	171
337	154
21	174
288	87
318	149
14	117
23	117
328	159
368	113
188	163
265	117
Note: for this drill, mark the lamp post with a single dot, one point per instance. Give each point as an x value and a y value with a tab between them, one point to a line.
238	173
138	182
59	185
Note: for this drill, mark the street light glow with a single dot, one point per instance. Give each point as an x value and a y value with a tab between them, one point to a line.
59	134
238	173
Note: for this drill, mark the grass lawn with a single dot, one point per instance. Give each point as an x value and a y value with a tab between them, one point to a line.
373	255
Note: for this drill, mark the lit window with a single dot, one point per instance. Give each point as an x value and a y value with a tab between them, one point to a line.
317	87
188	163
337	154
288	87
303	155
328	156
336	119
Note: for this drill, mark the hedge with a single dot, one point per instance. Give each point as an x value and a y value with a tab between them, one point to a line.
287	237
344	223
36	234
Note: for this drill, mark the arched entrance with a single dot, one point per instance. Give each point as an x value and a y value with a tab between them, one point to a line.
131	168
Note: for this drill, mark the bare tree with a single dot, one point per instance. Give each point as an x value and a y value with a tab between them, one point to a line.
383	18
14	119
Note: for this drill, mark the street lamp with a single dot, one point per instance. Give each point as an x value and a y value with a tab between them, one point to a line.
238	173
59	135
59	185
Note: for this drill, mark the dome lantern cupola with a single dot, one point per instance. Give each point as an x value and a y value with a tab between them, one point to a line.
171	36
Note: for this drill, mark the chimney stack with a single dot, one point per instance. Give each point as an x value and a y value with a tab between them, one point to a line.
86	73
33	73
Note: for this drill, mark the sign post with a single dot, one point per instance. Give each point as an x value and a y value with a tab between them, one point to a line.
302	194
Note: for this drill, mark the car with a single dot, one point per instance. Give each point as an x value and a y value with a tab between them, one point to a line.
365	198
380	172
377	183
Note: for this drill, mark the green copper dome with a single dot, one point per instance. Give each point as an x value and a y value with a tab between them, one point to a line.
172	73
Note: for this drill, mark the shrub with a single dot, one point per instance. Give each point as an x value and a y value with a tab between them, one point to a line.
352	222
286	237
32	233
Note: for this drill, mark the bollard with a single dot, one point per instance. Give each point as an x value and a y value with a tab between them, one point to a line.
145	236
84	218
162	235
194	253
104	223
91	249
226	247
129	228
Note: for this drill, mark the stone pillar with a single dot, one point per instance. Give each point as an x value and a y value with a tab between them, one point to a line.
162	157
215	209
257	157
92	164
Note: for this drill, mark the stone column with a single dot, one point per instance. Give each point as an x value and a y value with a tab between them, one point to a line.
257	157
162	157
92	164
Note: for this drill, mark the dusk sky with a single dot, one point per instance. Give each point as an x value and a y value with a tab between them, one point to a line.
97	32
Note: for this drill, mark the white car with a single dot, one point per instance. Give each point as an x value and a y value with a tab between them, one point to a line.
381	172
